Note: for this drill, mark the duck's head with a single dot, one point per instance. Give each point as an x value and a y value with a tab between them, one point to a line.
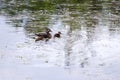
48	29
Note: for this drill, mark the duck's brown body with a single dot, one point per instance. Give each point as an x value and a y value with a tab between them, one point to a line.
44	35
39	38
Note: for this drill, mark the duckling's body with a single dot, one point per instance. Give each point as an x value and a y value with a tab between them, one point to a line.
57	35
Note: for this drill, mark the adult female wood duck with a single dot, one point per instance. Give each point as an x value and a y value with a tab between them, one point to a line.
47	30
57	35
44	35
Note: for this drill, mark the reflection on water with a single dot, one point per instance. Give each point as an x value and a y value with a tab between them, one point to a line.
89	46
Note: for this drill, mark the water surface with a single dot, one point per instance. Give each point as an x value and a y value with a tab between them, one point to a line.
89	47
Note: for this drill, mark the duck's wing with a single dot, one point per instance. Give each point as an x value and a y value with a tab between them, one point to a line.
41	34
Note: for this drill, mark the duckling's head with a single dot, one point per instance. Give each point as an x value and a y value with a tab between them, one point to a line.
59	32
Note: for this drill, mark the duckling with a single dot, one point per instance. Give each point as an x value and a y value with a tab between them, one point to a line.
57	35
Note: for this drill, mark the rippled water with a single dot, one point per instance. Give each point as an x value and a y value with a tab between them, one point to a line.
89	47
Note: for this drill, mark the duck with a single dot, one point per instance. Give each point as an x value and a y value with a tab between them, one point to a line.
44	35
47	30
57	35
